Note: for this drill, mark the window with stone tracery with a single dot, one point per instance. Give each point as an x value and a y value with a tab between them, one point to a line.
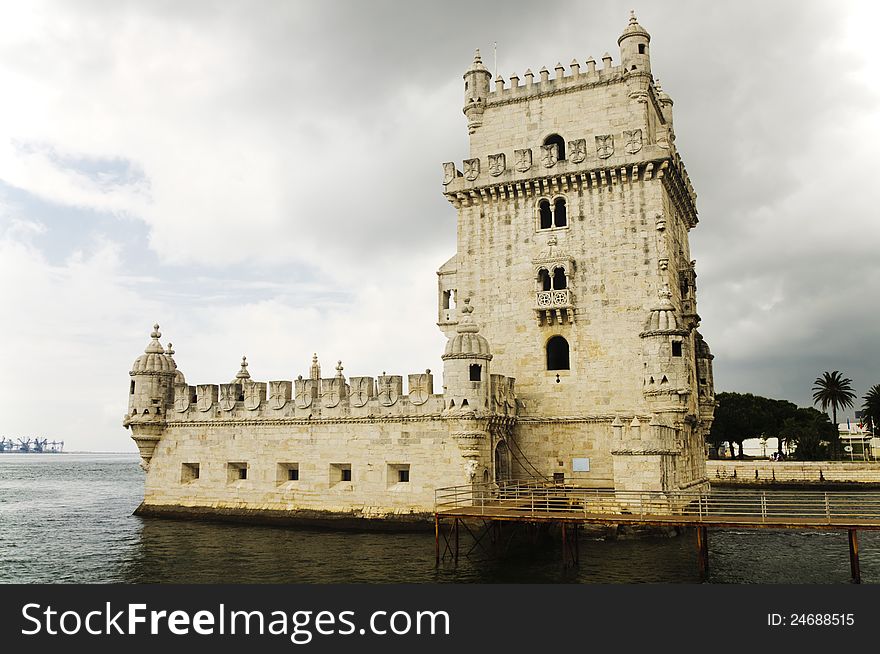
552	214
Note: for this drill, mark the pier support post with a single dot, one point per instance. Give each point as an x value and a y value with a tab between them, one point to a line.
703	552
436	540
456	541
854	556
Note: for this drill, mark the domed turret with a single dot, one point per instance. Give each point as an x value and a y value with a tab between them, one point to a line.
154	358
466	365
634	46
152	380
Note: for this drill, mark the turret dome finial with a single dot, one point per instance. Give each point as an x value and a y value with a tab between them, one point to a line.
243	373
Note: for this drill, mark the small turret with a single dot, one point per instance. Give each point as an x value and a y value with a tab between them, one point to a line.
152	379
466	366
476	92
635	53
664	351
151	393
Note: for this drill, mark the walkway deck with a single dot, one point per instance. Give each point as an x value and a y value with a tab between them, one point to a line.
571	507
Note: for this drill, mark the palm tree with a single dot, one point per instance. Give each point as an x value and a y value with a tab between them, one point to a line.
871	407
834	390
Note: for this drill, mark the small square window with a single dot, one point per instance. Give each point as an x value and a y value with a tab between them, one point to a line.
398	473
340	472
676	348
286	472
189	472
476	372
641	48
236	471
558	477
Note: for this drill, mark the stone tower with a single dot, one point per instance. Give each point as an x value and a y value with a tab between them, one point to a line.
574	209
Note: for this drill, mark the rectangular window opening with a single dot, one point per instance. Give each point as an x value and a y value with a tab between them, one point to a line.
340	472
189	472
236	471
398	473
286	472
476	372
676	348
132	386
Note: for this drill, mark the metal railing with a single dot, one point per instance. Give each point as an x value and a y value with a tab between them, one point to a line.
545	499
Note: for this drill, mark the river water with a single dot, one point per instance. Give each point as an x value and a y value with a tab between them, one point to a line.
68	518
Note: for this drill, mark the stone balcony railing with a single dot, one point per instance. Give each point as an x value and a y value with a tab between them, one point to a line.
554	307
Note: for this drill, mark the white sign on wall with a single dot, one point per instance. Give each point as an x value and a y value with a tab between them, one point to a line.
580	465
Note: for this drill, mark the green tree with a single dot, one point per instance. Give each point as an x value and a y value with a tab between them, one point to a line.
833	390
812	433
739	416
871	407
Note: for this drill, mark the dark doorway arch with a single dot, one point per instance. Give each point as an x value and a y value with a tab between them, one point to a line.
502	461
557	354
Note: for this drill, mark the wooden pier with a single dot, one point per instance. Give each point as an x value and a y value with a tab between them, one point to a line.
534	503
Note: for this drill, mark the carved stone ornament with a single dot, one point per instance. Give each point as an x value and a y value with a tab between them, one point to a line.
577	150
389	390
361	390
448	172
252	395
470	469
205	399
181	398
663	138
604	146
331	392
500	390
471	169
549	154
497	164
633	140
420	388
279	394
303	397
511	393
523	159
228	396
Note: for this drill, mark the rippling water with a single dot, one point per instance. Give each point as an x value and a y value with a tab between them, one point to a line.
68	518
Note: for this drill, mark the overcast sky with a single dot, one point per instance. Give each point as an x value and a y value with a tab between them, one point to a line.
265	179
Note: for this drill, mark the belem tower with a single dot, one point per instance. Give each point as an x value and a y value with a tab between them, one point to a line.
570	310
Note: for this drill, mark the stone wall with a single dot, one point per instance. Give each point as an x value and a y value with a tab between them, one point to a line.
722	472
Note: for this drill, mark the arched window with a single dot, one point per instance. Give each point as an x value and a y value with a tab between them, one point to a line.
559	280
557	354
560	144
546	214
560	217
544	283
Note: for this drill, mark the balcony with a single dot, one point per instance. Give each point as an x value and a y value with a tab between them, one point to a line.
554	307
